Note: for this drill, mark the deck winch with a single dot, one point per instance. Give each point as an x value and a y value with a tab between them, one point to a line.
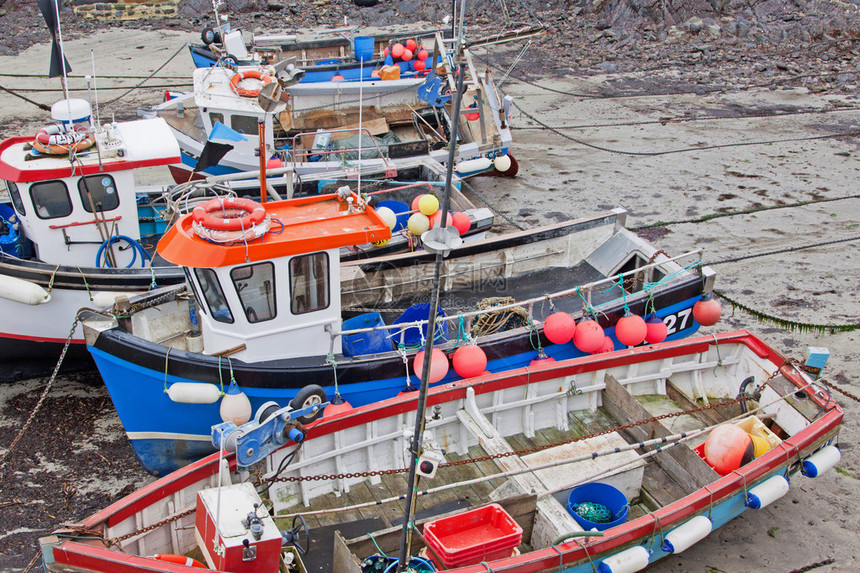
271	428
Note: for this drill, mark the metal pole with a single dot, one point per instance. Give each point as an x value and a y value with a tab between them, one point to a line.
418	433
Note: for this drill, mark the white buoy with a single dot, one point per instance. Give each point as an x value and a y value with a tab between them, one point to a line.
235	406
767	492
25	292
628	561
821	461
194	393
686	535
502	163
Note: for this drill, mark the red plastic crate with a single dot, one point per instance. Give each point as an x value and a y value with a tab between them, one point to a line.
473	536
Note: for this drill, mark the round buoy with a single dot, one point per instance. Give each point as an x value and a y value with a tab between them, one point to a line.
422	54
656	329
541	358
428	204
274	163
337	78
411	45
419	65
436	219
630	330
438	365
469	361
727	448
462	222
336	406
374	73
502	163
380	243
707	310
416	201
235	406
397	50
608	346
418	223
388	216
559	327
588	336
406	55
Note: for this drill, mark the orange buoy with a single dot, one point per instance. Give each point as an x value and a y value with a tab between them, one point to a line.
559	327
419	65
707	310
406	55
588	336
469	361
179	560
436	219
608	346
422	54
462	222
411	45
727	448
630	330
656	329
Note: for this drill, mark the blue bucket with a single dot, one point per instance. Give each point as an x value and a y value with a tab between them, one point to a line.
413	335
400	209
600	493
363	48
372	342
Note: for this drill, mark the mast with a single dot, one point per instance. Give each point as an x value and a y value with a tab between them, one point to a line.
418	433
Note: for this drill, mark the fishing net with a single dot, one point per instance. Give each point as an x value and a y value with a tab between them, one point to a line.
594	512
499	320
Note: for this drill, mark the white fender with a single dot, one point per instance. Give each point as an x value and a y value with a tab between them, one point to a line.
767	492
106	298
194	393
471	166
627	561
821	461
688	534
20	290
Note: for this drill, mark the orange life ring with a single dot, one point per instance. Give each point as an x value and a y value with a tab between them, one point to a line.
255	74
179	560
229	214
56	140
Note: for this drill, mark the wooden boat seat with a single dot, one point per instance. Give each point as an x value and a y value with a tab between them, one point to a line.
552	518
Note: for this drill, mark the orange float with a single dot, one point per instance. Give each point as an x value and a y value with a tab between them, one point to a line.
249	74
229	214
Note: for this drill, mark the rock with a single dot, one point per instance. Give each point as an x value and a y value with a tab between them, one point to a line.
608	67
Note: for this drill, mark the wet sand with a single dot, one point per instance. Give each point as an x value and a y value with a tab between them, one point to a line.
668	158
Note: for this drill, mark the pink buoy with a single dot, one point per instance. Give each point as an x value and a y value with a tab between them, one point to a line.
656	329
462	222
397	50
631	329
469	361
416	201
438	365
707	310
541	358
727	448
608	346
436	219
588	336
333	409
337	78
274	163
411	45
559	327
422	54
406	55
419	65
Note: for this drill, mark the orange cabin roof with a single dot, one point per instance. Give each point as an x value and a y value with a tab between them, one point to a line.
310	224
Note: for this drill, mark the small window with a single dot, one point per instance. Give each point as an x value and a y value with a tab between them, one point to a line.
102	190
214	296
255	285
215	117
309	283
192	286
244	124
16	198
51	199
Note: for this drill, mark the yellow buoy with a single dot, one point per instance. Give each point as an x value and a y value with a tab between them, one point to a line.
428	204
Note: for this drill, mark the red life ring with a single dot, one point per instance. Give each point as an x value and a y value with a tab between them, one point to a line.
229	214
56	140
256	74
179	560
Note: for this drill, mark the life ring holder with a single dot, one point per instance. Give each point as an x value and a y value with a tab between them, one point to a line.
224	214
179	560
57	140
254	74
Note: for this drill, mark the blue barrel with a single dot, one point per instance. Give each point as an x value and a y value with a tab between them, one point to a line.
371	342
413	335
363	48
600	494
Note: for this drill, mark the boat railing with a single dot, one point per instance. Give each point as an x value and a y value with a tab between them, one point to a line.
300	154
583	291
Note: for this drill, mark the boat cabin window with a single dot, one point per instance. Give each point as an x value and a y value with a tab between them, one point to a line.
255	285
213	295
309	283
192	286
244	124
216	117
102	190
636	281
51	199
12	189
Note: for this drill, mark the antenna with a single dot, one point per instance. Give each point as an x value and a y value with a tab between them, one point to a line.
95	88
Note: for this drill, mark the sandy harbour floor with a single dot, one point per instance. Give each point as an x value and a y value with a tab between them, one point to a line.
674	158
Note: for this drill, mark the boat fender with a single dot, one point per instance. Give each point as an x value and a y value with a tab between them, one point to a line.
628	561
821	461
221	213
255	74
767	492
686	535
194	393
106	298
180	560
23	291
473	166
